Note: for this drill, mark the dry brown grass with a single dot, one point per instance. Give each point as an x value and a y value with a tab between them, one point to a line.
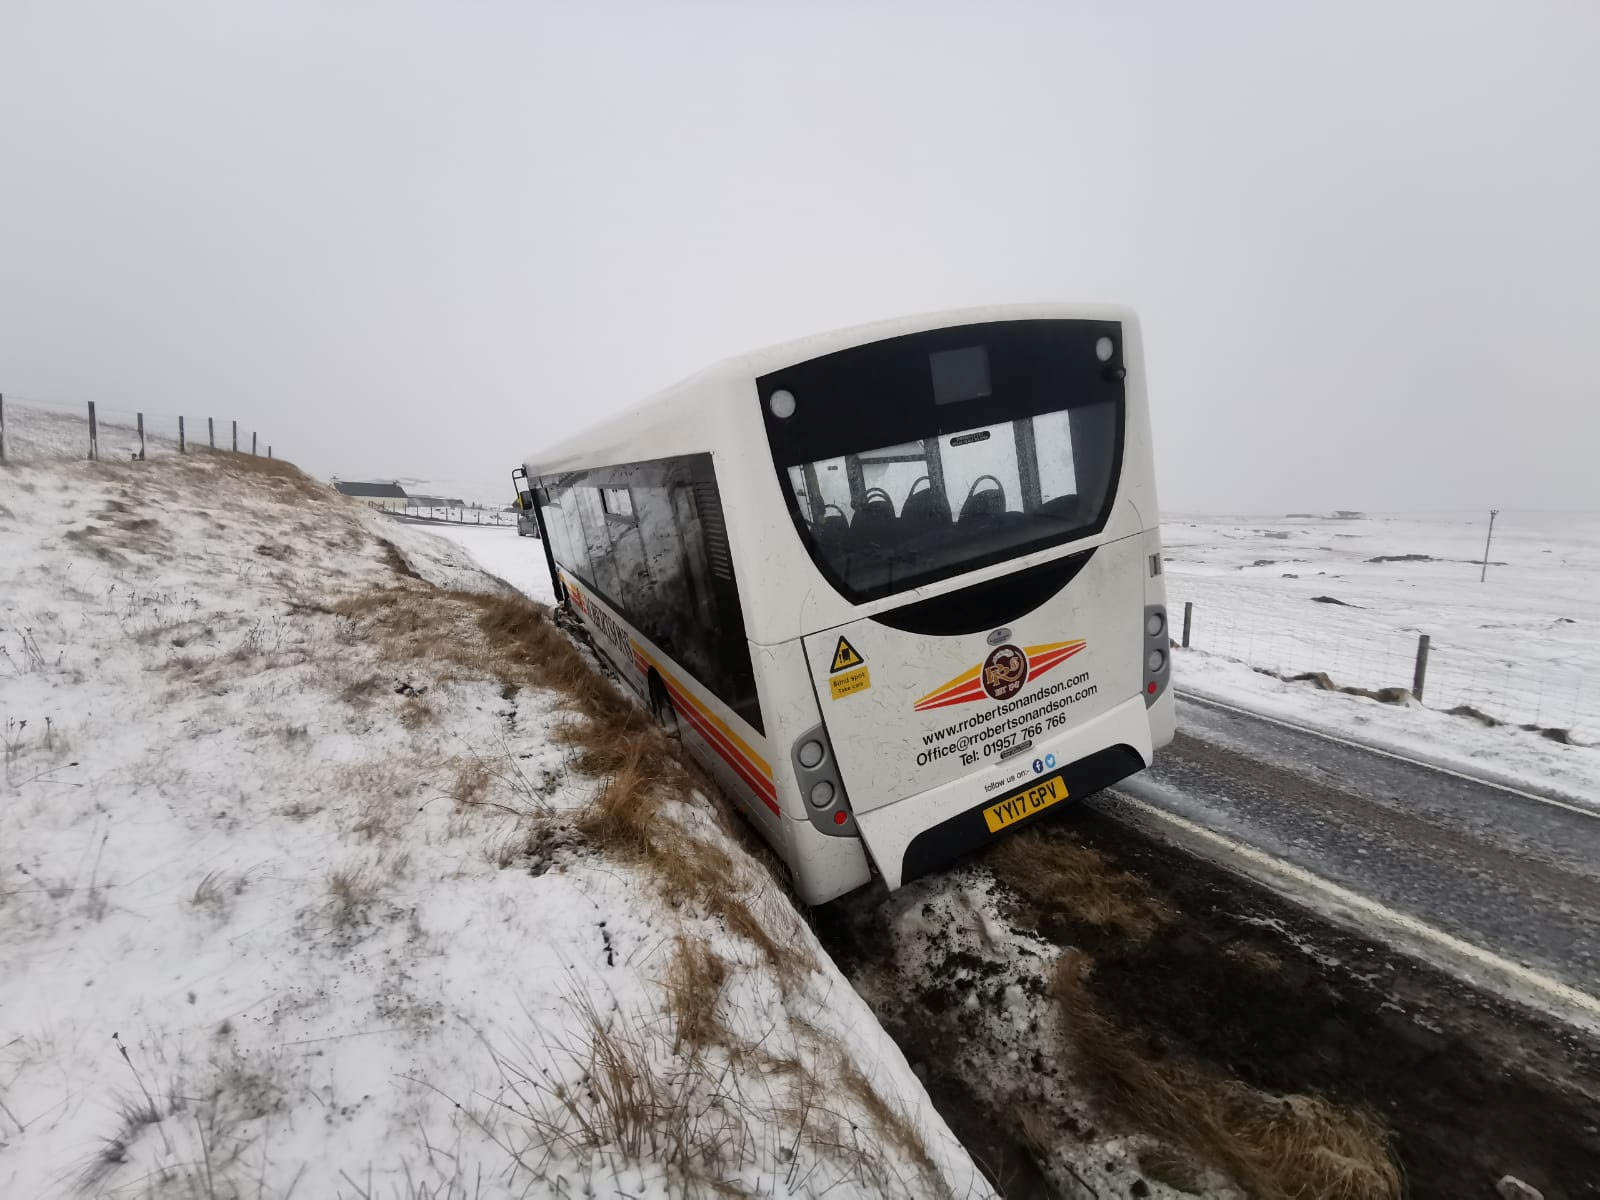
415	712
694	984
891	1121
377	818
1056	873
625	822
514	641
691	1116
214	893
351	891
274	477
642	773
472	783
360	692
1275	1147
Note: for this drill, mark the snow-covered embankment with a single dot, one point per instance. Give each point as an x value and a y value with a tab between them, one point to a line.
322	870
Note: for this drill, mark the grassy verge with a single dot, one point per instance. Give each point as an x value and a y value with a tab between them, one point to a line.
1276	1147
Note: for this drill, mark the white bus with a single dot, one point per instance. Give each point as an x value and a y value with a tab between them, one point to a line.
898	587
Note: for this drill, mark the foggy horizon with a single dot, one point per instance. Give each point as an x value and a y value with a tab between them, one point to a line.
424	242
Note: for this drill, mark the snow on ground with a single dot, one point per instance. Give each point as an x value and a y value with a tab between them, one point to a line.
1522	647
952	939
267	920
34	432
499	551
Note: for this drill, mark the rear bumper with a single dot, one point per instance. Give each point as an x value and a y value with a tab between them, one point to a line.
921	833
967	831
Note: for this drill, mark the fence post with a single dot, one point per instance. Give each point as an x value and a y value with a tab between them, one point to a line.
269	449
211	431
1188	612
236	437
1421	674
252	445
1484	574
94	435
2	428
141	437
182	445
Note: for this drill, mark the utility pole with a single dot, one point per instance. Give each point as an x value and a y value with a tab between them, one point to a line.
1483	574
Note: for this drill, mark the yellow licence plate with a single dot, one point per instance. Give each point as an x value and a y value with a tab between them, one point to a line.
1025	803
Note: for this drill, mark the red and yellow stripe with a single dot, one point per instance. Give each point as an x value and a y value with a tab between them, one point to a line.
968	685
728	745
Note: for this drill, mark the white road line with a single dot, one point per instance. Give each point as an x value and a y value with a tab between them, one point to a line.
1210	702
1565	997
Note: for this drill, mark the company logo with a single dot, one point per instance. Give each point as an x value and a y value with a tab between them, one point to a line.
1000	636
1001	675
1004	672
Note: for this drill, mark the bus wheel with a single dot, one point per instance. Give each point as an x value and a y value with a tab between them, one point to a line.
661	705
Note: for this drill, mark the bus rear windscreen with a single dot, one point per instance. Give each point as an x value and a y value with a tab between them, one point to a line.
922	457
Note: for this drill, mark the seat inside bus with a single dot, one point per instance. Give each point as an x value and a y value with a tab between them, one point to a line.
874	524
834	531
985	506
924	510
871	532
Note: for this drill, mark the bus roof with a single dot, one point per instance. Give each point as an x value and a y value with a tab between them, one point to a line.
676	419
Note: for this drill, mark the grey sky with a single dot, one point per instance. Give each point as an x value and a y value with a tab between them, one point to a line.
420	240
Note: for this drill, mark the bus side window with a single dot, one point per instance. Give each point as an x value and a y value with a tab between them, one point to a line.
716	649
555	525
597	535
636	587
686	523
577	547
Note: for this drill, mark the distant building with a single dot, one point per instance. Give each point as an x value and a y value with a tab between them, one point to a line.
433	502
370	491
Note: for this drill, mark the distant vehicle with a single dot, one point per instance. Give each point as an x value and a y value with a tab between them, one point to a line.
898	587
527	519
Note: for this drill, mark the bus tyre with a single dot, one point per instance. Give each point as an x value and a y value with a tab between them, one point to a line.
661	705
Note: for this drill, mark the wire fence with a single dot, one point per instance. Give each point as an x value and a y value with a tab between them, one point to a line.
447	514
32	429
1521	686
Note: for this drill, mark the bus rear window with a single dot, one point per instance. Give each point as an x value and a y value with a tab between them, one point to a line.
920	458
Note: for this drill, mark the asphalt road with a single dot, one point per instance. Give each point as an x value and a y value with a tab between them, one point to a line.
1506	872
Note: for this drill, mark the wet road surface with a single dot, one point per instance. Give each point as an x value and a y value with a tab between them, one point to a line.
1507	872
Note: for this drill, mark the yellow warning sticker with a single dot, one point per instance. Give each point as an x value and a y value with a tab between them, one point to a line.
850	683
845	656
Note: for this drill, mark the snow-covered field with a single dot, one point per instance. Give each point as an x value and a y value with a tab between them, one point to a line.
1522	647
499	551
267	917
34	433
